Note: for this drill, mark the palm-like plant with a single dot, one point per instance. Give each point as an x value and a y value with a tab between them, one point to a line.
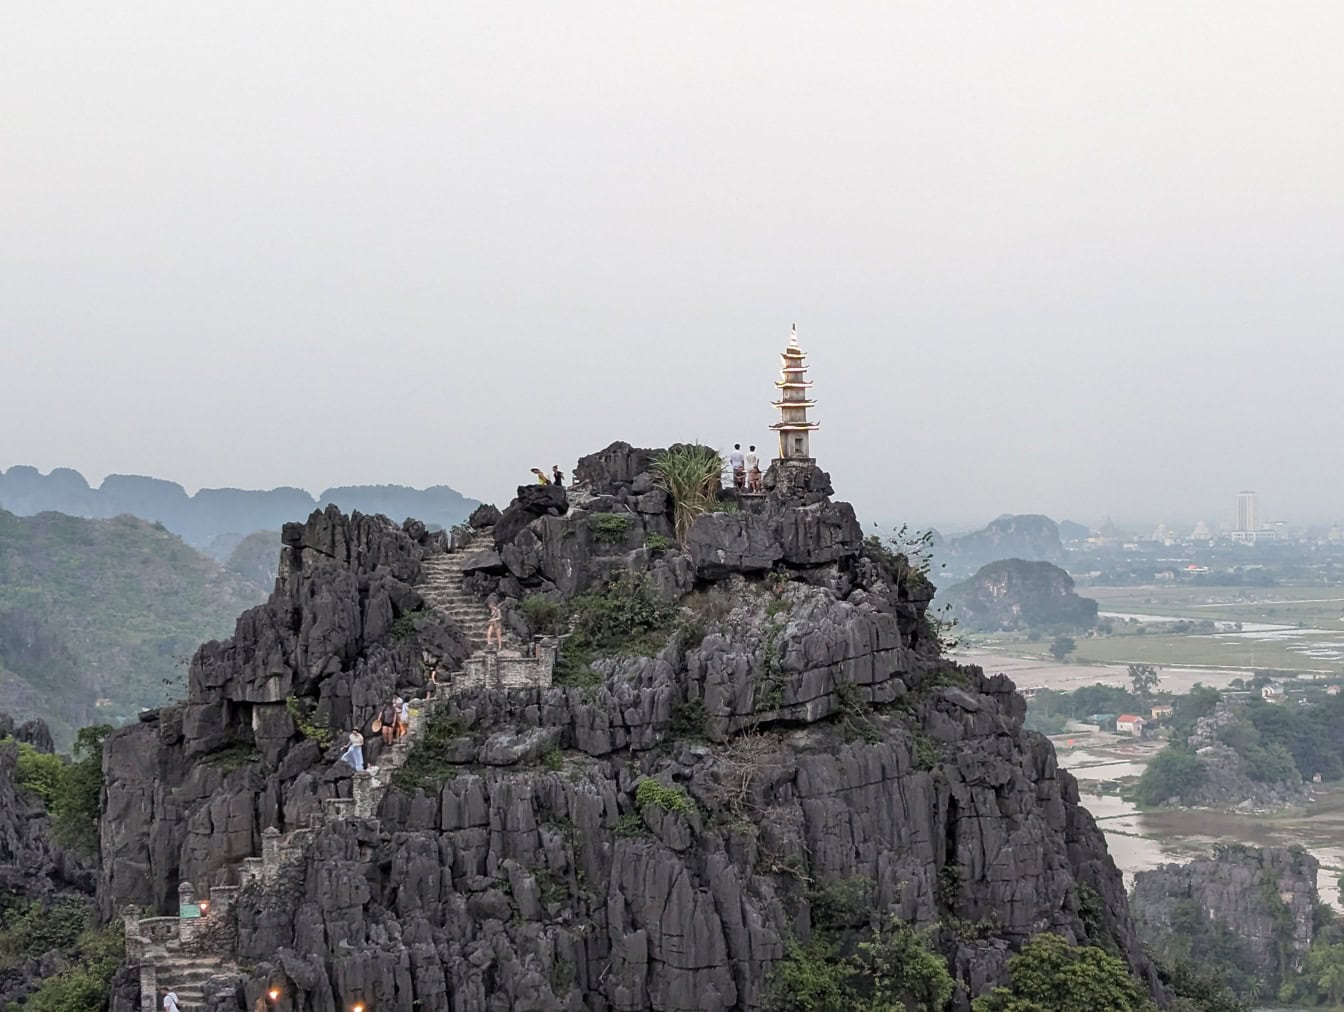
690	475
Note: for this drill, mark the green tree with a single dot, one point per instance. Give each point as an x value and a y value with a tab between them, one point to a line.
1144	678
76	812
1050	975
1062	647
1325	966
1173	773
892	969
896	967
1196	991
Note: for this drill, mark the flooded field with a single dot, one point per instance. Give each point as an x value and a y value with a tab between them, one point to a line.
1142	840
1065	677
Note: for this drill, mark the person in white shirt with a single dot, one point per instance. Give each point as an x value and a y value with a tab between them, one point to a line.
170	1001
753	470
735	461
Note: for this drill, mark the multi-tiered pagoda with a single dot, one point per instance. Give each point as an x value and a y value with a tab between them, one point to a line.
793	426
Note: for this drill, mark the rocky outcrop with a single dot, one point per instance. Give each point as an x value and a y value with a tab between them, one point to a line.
1266	898
190	787
34	869
1227	782
1013	594
652	835
31	732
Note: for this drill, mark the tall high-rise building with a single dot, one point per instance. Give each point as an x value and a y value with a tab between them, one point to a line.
1246	516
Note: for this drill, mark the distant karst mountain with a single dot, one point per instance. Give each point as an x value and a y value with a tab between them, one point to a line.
98	617
215	518
1015	594
1028	536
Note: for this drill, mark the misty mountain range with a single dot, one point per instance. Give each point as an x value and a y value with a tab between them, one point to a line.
215	519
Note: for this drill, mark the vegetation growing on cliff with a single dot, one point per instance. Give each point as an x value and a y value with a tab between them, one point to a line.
691	476
68	789
431	759
1050	975
1277	744
625	617
890	968
64	937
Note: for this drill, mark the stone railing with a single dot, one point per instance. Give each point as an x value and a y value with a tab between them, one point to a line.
208	925
492	669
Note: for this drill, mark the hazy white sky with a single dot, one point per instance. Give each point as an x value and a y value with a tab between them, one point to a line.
1069	258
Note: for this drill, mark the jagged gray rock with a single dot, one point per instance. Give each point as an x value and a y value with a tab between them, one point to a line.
804	716
1265	897
33	868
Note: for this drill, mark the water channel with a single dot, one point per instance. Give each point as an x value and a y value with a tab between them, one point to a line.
1142	840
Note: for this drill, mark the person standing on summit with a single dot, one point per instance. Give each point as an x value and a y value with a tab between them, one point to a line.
753	470
737	463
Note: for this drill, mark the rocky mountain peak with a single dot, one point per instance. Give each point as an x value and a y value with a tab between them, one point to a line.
748	739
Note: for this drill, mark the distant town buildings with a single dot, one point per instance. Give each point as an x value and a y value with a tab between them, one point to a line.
1247	525
1162	711
1247	512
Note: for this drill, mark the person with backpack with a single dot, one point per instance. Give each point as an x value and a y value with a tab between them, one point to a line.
170	1001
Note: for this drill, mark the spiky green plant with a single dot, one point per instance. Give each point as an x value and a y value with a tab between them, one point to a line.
690	475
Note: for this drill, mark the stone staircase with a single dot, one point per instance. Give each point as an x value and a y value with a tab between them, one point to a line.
441	587
511	667
187	976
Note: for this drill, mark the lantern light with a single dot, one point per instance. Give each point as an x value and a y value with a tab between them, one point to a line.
274	994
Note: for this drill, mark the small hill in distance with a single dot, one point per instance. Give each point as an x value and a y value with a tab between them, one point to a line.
1028	536
98	617
216	519
1016	594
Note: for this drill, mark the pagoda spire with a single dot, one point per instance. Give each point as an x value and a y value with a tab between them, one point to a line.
794	427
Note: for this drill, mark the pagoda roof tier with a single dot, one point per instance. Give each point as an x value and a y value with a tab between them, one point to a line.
797	384
793	404
796	426
793	353
793	368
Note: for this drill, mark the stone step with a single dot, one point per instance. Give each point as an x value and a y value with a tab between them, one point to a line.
185	964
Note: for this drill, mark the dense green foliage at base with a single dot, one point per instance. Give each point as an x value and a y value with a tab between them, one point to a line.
890	969
1049	975
87	957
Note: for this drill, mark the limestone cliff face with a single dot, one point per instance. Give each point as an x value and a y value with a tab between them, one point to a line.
190	787
818	744
1266	897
